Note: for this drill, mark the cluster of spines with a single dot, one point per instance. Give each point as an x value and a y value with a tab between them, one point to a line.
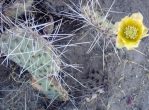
95	18
32	52
16	8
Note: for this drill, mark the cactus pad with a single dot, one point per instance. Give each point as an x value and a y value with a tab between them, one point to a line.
32	52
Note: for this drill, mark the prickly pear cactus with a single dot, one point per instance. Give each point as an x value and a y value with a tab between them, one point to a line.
35	54
16	8
96	19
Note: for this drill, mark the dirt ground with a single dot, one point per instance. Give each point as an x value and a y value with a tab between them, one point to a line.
123	84
124	81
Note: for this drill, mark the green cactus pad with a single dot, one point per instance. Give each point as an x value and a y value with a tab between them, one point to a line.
32	52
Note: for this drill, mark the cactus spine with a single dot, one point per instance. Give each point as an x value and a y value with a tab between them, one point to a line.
35	54
17	8
96	19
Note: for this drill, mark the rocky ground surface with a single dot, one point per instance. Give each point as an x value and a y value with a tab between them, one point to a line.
121	84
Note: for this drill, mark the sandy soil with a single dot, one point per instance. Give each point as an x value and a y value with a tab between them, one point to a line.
123	84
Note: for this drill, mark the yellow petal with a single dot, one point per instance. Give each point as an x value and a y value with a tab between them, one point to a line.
132	46
145	32
137	16
130	30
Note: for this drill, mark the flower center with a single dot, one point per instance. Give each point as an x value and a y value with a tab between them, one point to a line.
131	32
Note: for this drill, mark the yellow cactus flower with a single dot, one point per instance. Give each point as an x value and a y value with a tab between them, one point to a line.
130	30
